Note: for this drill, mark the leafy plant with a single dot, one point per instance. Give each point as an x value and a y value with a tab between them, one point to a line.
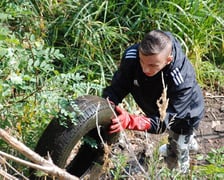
54	51
119	165
214	169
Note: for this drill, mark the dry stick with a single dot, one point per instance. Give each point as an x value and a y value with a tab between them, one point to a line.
47	166
7	176
211	96
21	161
106	161
3	173
12	168
97	124
125	139
97	171
214	116
127	144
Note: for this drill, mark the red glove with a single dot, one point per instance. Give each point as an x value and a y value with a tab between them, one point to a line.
127	121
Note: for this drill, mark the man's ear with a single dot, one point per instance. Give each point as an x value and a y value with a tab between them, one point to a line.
169	59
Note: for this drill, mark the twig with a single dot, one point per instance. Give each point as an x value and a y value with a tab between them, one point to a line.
7	176
214	116
97	124
129	175
21	161
7	164
128	145
11	103
106	160
47	166
211	96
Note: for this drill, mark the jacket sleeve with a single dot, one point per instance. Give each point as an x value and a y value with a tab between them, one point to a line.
118	89
185	108
121	82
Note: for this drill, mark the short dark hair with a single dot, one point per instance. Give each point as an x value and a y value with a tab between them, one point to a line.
154	42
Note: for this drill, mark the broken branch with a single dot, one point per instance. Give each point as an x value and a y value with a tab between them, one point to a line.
47	165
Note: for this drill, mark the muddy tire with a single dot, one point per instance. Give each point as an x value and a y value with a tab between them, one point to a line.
60	141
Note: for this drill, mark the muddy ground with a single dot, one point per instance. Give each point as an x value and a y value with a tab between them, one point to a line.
211	132
210	135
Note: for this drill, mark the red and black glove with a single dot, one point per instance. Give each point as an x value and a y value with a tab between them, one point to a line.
127	121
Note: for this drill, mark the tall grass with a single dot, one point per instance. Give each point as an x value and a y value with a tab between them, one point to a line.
66	48
95	33
99	31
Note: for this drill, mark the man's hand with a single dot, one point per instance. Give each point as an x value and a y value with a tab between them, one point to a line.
127	121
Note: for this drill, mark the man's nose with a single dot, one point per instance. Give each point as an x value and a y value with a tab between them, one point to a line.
146	69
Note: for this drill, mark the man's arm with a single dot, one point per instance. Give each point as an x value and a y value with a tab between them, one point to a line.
123	78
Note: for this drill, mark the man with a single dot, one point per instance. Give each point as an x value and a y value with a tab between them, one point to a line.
143	68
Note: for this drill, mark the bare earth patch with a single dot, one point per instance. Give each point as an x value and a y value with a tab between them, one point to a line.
211	132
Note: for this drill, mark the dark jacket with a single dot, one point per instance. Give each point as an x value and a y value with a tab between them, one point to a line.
186	103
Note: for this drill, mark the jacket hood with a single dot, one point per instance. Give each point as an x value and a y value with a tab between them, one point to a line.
178	55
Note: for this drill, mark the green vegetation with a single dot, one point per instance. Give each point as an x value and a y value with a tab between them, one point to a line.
51	51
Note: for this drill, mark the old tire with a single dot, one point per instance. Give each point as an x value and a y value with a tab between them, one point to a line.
59	141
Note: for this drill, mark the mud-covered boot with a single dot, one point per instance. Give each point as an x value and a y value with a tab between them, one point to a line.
176	153
193	147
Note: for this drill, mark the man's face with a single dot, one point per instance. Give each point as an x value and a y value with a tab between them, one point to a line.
152	64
